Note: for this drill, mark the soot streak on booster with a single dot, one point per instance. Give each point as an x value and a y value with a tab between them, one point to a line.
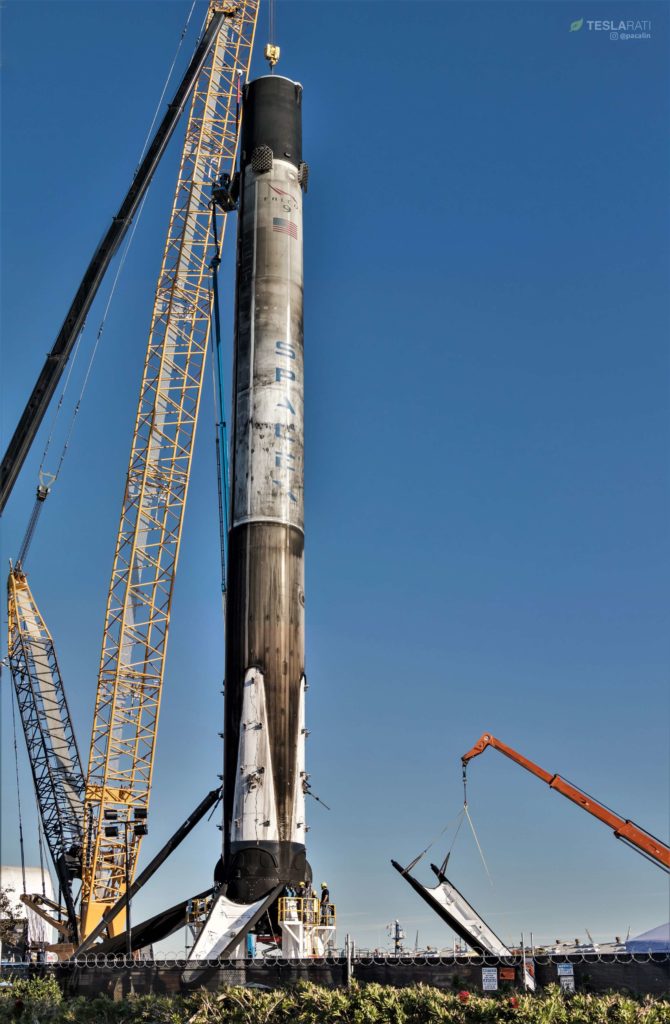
264	819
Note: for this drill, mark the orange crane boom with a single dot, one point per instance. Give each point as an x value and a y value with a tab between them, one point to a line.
637	837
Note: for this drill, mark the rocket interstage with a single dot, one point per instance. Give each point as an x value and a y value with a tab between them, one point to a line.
264	759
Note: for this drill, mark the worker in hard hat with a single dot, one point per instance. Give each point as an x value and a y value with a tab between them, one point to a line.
325	913
303	902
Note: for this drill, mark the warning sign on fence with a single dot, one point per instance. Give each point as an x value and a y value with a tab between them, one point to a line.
566	977
490	979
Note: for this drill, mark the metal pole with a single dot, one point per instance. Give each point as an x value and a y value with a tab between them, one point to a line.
129	940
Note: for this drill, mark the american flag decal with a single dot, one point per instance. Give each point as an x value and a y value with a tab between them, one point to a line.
285	226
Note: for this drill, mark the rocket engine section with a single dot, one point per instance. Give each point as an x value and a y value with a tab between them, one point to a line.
264	761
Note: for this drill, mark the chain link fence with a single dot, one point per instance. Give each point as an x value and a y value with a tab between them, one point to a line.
116	976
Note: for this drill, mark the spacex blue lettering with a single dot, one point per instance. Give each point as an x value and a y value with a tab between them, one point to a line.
284	461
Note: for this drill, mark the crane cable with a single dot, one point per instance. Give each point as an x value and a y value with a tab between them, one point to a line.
459	819
481	852
18	795
40	831
271	26
272	51
219	401
167	82
443	865
471	823
40	842
47	479
463	815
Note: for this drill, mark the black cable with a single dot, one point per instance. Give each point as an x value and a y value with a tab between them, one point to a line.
221	455
18	798
42	493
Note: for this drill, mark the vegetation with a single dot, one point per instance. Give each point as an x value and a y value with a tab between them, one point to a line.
10	921
40	1000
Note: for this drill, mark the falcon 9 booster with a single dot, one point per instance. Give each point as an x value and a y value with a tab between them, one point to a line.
264	778
264	759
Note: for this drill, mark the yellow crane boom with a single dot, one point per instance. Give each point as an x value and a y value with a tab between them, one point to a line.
137	617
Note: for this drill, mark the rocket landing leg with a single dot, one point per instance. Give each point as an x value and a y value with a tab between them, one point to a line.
226	927
454	909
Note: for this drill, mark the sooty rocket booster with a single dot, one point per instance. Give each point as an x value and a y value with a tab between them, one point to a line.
264	759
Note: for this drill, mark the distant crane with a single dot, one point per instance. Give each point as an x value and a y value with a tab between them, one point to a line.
648	845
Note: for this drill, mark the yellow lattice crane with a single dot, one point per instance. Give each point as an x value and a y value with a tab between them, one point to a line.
147	549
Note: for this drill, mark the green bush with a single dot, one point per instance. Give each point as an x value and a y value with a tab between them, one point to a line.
39	1001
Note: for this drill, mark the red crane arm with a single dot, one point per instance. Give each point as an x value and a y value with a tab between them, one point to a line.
643	841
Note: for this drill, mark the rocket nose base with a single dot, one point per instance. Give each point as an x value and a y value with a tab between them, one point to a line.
255	869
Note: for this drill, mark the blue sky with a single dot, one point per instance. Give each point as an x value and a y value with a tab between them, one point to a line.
486	264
